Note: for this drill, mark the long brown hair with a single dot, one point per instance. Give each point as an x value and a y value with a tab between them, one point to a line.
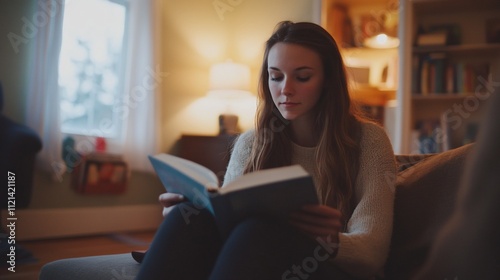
337	119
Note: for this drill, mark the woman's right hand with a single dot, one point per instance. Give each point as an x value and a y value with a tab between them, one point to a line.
169	200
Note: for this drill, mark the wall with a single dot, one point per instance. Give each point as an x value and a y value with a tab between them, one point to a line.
195	34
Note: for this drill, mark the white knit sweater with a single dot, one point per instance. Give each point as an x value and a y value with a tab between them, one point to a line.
365	244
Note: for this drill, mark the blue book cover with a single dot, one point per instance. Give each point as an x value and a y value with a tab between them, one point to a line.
272	193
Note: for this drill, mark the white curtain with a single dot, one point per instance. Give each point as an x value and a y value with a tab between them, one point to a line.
42	112
143	79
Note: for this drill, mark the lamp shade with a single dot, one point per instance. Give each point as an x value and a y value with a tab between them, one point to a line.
229	80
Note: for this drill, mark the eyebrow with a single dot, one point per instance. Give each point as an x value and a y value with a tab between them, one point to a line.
297	69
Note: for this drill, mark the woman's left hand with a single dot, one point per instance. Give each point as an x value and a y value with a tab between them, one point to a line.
318	221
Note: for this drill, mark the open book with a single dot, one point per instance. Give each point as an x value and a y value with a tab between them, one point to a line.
270	192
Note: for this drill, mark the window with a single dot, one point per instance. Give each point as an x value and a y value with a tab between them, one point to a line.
91	66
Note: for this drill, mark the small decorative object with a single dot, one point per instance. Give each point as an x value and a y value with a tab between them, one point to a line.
228	124
493	30
100	173
438	38
70	156
100	144
440	35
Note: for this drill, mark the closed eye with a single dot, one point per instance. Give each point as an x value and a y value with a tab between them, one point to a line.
276	78
304	79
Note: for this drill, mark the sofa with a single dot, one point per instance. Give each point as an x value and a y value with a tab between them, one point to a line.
445	218
19	146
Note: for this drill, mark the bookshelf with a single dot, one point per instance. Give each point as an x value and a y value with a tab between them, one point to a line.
449	80
372	72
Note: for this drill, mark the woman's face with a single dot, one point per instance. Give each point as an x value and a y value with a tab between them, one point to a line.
295	80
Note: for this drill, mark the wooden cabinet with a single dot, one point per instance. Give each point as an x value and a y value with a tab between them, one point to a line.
451	64
212	152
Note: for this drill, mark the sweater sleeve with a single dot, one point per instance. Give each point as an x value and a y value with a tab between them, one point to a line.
364	247
239	156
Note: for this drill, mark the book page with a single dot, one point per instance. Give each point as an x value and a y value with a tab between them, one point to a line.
263	177
197	172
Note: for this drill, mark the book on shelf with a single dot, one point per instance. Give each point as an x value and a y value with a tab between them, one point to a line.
439	35
431	77
273	193
434	73
432	39
415	73
433	135
445	132
427	131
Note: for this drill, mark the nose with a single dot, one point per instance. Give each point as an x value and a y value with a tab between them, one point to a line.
287	89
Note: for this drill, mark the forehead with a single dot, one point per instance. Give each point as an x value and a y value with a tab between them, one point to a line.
286	56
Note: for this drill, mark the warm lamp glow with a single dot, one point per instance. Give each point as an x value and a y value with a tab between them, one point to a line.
381	41
229	80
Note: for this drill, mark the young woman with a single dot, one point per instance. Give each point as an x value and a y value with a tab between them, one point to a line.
306	117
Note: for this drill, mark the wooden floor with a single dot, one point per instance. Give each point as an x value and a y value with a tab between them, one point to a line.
46	251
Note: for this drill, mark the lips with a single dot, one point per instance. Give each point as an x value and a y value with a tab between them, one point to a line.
289	104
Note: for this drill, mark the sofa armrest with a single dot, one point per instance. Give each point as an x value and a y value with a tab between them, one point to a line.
19	145
426	191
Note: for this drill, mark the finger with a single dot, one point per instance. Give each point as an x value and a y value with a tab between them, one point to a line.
170	196
321	210
314	231
169	199
315	218
334	224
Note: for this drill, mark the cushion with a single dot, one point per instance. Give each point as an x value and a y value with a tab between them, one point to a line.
425	197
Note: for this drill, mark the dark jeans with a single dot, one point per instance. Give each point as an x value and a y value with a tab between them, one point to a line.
192	248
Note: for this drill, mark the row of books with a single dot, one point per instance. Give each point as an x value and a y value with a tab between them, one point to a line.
434	73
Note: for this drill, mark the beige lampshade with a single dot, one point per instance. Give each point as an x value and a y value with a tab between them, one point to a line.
229	80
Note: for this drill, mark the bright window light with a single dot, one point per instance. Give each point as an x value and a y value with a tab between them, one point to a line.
90	66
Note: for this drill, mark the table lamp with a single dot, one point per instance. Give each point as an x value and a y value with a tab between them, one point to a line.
381	41
229	81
